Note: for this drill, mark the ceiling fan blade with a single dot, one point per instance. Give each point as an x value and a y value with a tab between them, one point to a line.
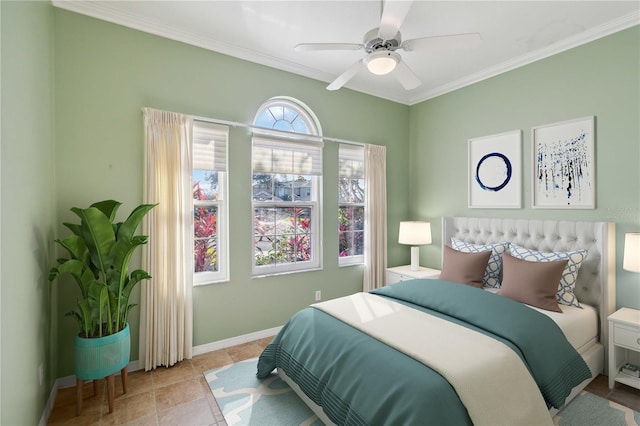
406	77
393	14
309	47
346	76
452	41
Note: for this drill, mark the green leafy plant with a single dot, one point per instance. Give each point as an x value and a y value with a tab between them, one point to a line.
100	251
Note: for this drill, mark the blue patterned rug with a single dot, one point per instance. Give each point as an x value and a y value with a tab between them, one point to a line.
587	409
245	400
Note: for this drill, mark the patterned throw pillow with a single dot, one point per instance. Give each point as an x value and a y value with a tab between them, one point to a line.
494	267
564	295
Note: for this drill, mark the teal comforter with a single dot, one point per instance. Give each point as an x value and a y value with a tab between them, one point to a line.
358	380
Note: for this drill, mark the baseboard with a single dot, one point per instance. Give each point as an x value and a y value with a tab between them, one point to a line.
233	341
69	381
48	408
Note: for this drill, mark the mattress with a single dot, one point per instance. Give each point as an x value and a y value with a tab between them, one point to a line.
579	325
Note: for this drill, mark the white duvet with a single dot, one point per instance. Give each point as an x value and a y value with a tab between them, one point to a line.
579	325
491	380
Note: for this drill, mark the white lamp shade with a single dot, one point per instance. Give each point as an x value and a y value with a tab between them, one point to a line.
414	233
631	260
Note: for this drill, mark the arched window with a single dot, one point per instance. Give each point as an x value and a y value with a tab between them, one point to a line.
287	176
288	115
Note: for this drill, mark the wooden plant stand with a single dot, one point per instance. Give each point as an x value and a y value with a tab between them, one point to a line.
111	391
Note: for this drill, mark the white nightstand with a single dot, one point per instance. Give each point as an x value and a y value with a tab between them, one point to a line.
403	273
624	340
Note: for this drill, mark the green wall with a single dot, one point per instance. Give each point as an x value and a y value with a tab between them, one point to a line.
27	210
81	82
601	78
106	73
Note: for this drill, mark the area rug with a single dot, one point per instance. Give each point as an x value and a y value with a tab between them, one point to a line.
245	400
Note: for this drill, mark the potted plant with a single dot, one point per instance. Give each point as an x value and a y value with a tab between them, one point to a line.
99	254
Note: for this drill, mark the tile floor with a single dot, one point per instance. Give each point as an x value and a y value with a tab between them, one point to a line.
180	395
166	396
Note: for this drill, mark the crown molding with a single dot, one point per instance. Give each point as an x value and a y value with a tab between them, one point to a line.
103	11
577	40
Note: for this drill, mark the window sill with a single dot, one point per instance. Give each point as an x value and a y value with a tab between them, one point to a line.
275	274
220	281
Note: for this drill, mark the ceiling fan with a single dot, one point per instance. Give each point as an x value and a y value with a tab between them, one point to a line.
382	43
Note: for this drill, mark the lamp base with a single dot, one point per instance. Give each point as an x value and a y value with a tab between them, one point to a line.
415	258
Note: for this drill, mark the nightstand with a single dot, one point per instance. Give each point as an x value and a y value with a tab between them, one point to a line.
403	273
624	341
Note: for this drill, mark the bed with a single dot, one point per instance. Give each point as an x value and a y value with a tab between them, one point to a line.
389	356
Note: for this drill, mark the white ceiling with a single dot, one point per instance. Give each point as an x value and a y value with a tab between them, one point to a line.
514	33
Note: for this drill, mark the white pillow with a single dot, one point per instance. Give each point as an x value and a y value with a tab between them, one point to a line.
494	266
567	284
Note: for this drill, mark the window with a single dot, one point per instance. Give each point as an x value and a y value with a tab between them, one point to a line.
209	203
351	202
287	174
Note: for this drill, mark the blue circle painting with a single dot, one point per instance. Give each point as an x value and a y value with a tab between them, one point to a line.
493	171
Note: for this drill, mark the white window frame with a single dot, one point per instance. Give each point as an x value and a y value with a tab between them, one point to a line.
220	135
351	166
277	135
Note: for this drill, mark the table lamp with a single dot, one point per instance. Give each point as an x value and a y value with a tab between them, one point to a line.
631	259
415	233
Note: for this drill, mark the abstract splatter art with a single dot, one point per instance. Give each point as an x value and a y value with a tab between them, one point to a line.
563	165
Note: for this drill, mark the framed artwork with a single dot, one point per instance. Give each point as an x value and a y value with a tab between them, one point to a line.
564	165
495	171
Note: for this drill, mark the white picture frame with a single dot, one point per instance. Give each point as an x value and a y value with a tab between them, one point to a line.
495	171
563	165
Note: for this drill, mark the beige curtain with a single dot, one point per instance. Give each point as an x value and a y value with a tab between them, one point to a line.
375	251
166	307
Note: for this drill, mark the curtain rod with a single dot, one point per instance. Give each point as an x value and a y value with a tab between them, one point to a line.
285	132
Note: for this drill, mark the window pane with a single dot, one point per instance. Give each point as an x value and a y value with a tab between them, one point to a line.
351	190
350	231
358	218
299	125
205	239
285	221
264	223
282	235
282	187
264	119
277	112
301	247
303	220
262	187
302	188
205	185
290	114
264	253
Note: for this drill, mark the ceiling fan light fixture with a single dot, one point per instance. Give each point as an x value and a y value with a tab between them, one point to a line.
381	63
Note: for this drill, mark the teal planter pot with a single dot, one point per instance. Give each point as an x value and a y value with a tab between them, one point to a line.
100	357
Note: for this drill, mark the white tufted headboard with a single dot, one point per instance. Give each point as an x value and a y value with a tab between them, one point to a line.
596	278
